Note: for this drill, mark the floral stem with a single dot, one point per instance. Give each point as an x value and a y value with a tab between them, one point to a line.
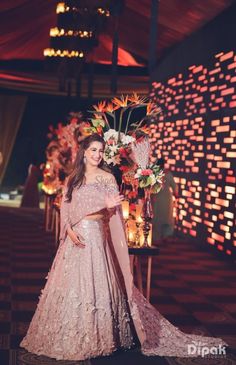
106	120
114	117
127	123
120	123
139	124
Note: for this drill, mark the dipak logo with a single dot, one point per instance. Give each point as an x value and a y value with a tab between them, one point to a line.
204	350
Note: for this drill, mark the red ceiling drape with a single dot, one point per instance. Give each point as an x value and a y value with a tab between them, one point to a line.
24	32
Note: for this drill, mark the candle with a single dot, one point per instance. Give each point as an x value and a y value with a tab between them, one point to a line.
138	212
131	231
131	236
125	209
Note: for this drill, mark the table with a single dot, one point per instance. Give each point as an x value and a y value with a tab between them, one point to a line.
136	253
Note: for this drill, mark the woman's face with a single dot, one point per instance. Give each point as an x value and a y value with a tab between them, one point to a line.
94	154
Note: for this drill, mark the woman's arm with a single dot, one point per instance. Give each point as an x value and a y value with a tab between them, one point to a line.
74	238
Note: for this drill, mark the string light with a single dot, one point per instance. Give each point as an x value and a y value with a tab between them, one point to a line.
51	52
103	11
56	32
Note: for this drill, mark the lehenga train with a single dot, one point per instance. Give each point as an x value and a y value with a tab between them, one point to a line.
90	303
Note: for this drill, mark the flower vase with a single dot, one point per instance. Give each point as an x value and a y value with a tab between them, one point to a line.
147	215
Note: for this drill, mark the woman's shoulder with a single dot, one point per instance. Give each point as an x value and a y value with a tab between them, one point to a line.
106	176
106	181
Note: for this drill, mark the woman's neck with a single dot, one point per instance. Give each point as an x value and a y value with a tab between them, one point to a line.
91	170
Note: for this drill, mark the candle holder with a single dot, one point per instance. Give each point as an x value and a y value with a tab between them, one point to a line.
147	215
125	211
137	235
138	222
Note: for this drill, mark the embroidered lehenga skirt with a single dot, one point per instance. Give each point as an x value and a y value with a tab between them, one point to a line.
82	312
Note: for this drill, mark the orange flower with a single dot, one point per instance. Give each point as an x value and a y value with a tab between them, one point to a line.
153	109
136	99
122	102
99	130
111	107
144	129
100	107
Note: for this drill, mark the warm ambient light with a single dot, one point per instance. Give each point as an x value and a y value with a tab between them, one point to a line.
102	11
213	149
56	32
125	209
51	52
62	8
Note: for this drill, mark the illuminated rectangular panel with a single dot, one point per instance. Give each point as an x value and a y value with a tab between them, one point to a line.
199	143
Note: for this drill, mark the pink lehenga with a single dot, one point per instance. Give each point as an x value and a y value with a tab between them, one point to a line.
90	306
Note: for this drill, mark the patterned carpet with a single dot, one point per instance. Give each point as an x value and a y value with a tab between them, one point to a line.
194	289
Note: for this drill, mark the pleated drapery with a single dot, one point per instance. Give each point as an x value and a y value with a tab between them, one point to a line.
11	111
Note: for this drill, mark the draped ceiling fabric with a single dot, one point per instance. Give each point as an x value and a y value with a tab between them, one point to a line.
25	25
11	111
24	32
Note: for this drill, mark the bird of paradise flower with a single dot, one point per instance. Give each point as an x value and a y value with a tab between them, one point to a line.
123	104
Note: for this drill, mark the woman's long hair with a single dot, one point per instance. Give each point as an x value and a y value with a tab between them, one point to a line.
76	178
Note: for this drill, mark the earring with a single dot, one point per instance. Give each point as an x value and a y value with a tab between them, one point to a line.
85	159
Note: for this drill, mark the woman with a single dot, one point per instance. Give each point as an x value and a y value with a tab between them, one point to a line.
162	203
89	304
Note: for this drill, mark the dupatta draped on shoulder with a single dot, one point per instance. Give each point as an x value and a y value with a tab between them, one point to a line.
156	334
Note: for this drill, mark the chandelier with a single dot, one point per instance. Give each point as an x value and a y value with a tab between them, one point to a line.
79	23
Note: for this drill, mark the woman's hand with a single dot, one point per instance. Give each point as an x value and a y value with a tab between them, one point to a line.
74	238
112	201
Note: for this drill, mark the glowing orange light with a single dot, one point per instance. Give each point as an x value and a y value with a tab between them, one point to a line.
226	56
216	70
223	164
210	240
218	237
228	91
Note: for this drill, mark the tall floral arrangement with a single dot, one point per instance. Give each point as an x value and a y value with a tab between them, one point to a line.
122	121
116	118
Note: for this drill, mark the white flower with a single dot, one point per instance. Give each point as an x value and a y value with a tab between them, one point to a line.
125	139
113	148
111	133
108	160
153	179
